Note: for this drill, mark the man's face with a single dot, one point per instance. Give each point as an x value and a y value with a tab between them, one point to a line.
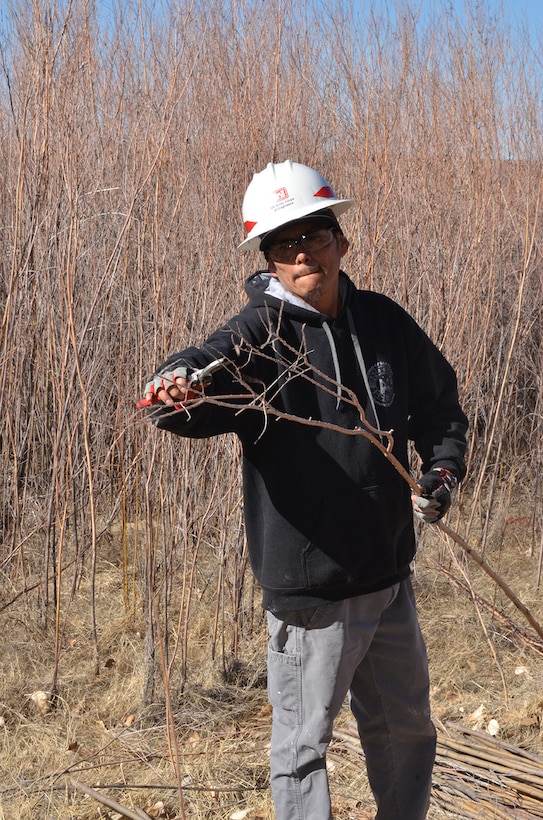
311	275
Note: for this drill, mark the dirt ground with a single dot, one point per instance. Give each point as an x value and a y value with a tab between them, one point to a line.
486	666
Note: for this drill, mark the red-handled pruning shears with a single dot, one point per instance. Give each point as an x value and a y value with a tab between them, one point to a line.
198	378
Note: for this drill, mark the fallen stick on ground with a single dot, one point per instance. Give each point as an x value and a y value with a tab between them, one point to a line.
109	802
476	775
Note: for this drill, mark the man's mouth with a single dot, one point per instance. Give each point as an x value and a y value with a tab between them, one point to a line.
307	272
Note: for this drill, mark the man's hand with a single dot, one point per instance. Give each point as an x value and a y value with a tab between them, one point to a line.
178	386
435	495
171	389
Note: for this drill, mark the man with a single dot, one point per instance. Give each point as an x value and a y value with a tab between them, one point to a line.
329	520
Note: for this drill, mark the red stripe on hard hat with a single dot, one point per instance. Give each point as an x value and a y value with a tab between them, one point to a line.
249	226
325	192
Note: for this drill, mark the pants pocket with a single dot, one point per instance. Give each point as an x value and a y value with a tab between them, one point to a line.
285	687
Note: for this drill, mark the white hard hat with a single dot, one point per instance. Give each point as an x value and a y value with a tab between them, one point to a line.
282	193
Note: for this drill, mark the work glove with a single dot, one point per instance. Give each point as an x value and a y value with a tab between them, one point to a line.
198	380
435	499
166	380
161	382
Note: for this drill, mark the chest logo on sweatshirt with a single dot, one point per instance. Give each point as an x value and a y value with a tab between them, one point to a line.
381	383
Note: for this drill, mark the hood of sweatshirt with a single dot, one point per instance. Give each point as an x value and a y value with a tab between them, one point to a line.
263	288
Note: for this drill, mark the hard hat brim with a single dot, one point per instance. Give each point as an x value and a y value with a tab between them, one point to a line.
254	238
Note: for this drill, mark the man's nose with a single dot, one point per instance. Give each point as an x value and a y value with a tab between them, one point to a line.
302	254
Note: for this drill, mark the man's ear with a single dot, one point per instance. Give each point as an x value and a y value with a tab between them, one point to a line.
271	268
343	244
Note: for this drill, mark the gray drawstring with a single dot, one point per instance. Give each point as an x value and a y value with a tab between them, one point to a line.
335	359
362	365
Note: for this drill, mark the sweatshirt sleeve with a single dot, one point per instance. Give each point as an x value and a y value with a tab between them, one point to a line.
437	423
229	384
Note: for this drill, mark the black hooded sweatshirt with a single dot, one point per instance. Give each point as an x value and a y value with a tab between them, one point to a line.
327	516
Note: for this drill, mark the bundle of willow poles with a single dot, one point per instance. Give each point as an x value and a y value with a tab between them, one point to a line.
477	775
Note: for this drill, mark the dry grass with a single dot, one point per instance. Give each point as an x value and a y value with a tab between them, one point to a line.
100	734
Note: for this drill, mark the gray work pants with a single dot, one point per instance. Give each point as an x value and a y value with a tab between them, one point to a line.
370	647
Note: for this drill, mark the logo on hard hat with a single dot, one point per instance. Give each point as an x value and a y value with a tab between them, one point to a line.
282	193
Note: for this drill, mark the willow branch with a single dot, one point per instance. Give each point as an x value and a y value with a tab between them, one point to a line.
382	440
